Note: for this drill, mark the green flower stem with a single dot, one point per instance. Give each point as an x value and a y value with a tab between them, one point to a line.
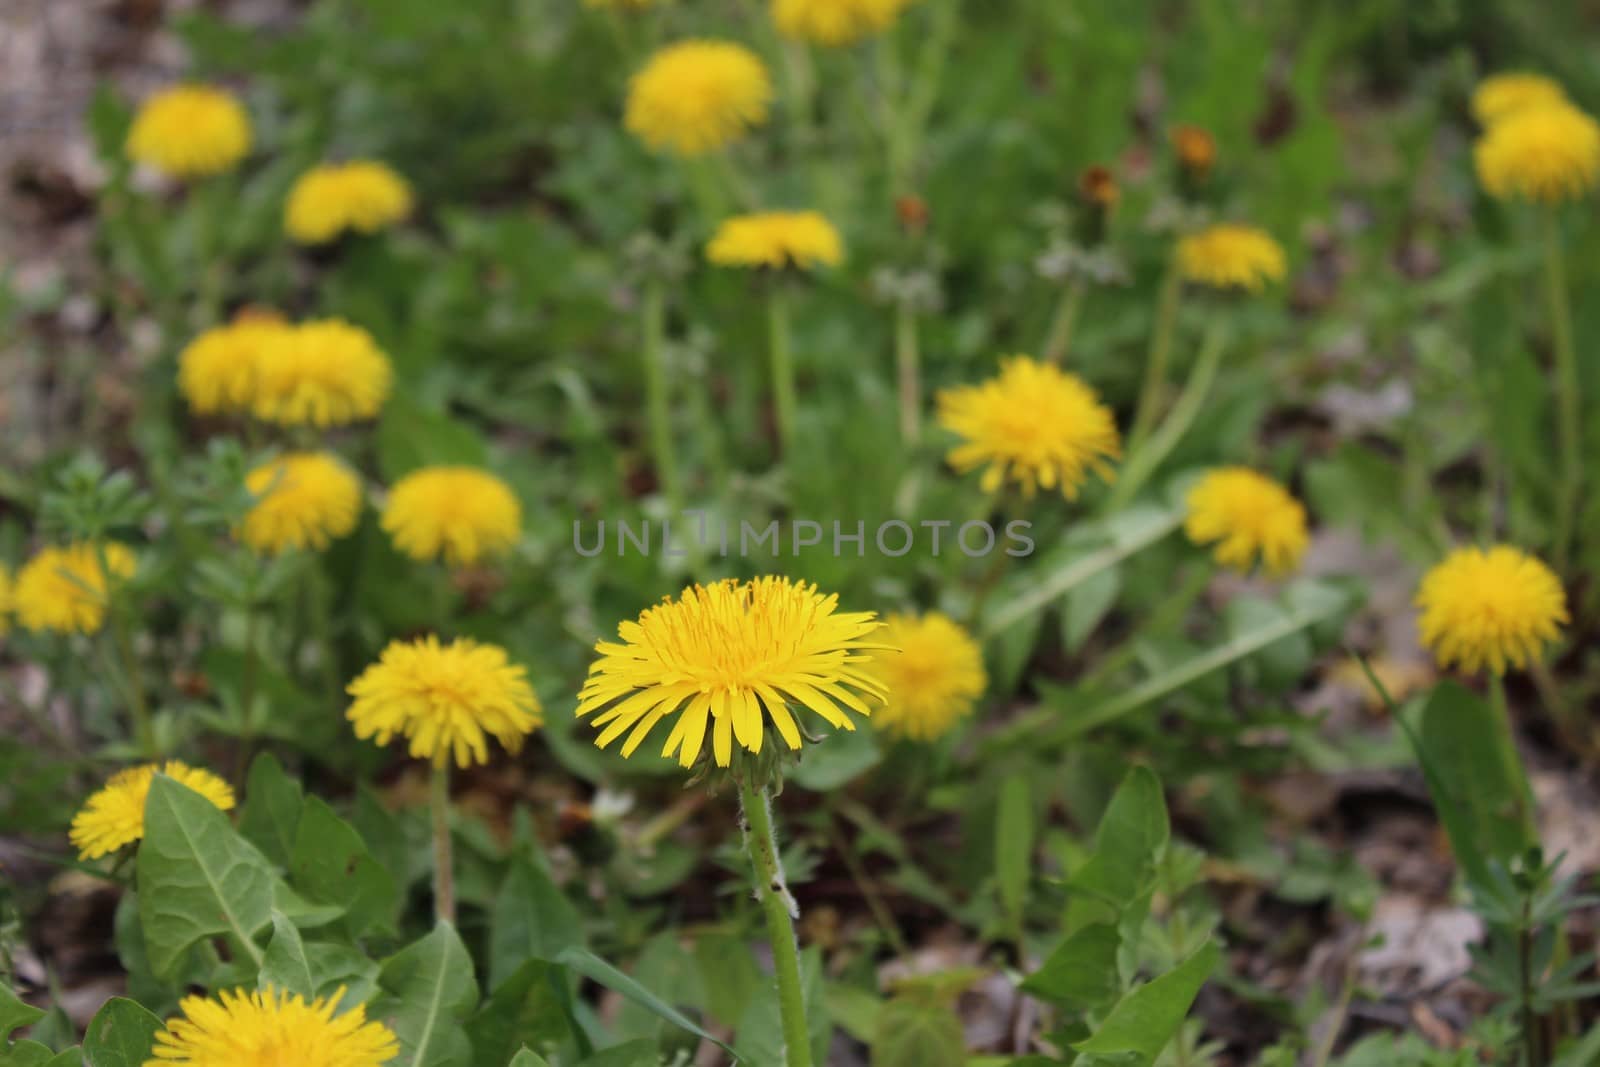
1155	364
908	361
444	874
1506	742
1568	407
709	195
1066	317
781	910
122	640
782	354
654	315
1145	458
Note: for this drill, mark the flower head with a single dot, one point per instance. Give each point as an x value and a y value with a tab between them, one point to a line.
445	700
698	97
933	673
190	131
1490	607
1032	425
304	500
833	23
362	195
217	371
777	239
731	656
1250	517
1501	95
1196	149
270	1028
1546	154
322	373
114	816
65	589
459	514
1229	256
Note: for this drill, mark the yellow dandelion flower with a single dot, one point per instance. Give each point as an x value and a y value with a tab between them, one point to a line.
304	500
731	655
1229	256
323	373
458	514
190	131
1501	95
834	22
217	370
64	589
1490	608
445	700
777	239
933	673
698	97
363	195
270	1028
1546	154
114	816
1033	425
1249	517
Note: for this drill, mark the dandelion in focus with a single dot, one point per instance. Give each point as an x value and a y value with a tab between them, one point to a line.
459	514
271	1028
65	589
1502	95
1034	426
1496	608
1230	256
113	817
217	371
190	131
321	373
1250	518
1546	154
698	97
727	659
932	673
362	196
776	240
304	500
834	23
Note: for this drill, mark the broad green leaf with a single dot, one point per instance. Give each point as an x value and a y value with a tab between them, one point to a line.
121	1034
728	974
532	920
14	1014
760	1032
272	802
331	864
1477	782
663	963
528	1058
1143	1021
1082	972
592	967
197	878
1129	840
838	759
284	966
529	1008
918	1031
1013	845
428	991
38	1054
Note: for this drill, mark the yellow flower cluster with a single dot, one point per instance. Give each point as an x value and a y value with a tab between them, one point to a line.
461	515
190	131
113	817
932	674
1229	256
362	196
1249	517
698	97
775	240
324	372
834	22
1494	608
1034	426
727	659
270	1028
66	589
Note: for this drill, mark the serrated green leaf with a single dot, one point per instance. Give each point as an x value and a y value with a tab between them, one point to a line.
330	864
271	814
918	1031
36	1054
197	878
14	1014
529	1008
1144	1020
429	990
284	966
532	920
1128	842
121	1034
1082	972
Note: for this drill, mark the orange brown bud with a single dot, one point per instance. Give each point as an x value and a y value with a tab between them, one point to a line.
1196	148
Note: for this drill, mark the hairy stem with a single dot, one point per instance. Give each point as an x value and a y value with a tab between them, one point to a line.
772	891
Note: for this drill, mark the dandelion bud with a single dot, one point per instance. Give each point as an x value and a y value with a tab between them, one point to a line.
1197	154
